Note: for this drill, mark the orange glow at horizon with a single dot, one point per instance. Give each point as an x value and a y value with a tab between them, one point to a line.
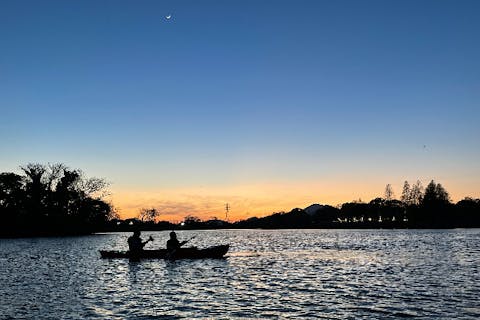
206	203
245	201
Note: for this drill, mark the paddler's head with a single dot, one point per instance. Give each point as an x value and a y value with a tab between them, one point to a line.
173	235
136	233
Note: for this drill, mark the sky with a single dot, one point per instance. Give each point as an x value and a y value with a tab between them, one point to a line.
265	105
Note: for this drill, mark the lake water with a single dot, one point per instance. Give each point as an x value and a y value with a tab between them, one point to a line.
278	274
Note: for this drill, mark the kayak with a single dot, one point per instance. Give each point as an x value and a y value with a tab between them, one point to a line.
215	252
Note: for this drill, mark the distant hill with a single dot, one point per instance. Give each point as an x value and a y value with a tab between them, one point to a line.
313	209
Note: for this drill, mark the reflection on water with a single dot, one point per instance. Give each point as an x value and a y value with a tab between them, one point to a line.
332	274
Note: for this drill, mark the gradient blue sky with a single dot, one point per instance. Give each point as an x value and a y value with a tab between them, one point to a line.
326	100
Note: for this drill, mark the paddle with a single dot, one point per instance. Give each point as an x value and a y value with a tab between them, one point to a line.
171	253
185	242
149	239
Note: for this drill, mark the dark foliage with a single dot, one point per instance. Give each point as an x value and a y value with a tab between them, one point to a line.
51	200
55	200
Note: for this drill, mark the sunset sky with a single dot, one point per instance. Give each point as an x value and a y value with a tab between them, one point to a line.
265	105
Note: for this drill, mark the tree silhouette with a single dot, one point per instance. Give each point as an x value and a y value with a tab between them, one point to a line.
416	194
389	195
148	215
51	199
435	194
35	189
11	195
405	197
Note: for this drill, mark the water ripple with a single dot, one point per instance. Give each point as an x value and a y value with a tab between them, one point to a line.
307	274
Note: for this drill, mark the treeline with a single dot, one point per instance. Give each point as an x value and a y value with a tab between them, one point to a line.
51	200
56	200
417	208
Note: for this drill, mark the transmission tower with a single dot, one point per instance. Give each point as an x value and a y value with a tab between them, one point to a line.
227	209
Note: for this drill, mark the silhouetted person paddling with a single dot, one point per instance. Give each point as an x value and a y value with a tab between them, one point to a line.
173	243
135	244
